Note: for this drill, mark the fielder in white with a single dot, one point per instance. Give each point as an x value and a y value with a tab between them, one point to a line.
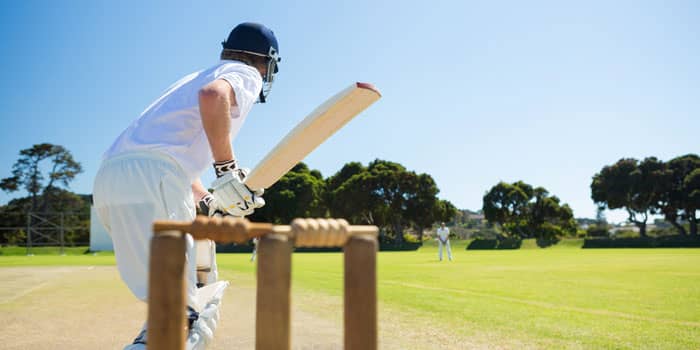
255	249
152	171
443	235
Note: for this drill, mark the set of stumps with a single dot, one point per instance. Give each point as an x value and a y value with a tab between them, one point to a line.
166	301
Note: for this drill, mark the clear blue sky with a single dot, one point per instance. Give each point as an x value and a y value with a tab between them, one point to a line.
474	92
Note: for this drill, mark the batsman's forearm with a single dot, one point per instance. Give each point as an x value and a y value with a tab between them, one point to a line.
215	108
198	190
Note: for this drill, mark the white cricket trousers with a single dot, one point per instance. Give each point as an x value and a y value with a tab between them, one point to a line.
131	191
447	245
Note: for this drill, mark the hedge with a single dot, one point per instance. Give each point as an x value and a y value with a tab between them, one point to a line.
234	248
644	242
487	244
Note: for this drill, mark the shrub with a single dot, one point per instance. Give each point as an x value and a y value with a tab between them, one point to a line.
501	243
597	231
625	234
15	238
410	238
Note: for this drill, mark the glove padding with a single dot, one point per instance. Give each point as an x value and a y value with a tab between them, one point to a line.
208	303
210	207
233	196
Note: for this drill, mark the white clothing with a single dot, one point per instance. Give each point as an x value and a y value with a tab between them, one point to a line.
206	260
130	192
449	251
444	236
443	233
173	125
255	249
208	303
147	173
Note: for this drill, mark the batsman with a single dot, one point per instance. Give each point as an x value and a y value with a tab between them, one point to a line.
152	170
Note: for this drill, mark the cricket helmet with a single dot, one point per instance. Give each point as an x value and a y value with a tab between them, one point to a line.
256	39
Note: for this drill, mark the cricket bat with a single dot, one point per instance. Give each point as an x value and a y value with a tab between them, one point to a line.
316	128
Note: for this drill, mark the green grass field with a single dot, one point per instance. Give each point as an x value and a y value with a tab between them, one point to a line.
559	297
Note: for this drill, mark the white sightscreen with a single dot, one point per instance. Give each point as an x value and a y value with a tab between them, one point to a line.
99	238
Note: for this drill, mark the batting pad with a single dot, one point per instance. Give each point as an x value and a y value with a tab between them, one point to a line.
208	301
135	347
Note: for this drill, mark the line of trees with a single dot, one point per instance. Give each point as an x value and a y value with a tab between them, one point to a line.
383	193
651	186
642	188
388	195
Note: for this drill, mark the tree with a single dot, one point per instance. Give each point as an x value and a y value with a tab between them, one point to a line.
344	174
683	189
27	173
422	205
345	195
631	185
444	211
527	212
385	194
424	208
506	204
692	186
548	218
377	195
299	193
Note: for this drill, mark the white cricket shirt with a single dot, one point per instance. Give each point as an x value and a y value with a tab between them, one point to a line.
443	233
172	124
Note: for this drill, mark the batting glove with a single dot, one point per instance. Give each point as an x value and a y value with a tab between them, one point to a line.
210	207
231	193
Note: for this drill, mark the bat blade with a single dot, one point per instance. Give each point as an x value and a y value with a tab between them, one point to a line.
316	128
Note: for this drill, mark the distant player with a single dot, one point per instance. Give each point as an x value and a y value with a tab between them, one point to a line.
152	171
255	249
443	235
